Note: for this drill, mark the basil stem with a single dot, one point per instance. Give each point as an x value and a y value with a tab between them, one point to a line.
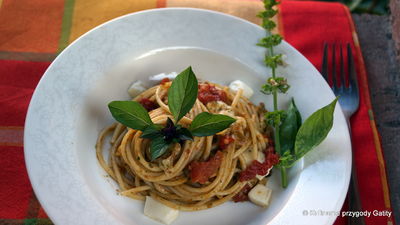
273	84
275	98
276	126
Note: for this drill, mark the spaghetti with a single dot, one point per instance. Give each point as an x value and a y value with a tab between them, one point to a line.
191	175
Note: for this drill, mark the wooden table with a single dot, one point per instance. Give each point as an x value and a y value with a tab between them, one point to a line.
383	67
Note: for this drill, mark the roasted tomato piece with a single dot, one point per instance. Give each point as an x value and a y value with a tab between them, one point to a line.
165	80
201	171
258	168
271	157
224	141
148	104
208	93
243	194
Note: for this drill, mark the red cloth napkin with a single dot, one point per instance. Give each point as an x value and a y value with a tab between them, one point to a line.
307	26
304	24
18	204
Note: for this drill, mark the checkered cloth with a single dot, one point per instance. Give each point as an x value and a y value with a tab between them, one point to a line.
33	32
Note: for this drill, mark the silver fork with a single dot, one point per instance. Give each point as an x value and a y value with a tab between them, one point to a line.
349	101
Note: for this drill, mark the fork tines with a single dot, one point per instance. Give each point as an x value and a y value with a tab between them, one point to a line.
330	57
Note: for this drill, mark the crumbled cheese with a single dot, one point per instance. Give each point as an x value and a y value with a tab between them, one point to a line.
237	84
248	156
161	76
136	88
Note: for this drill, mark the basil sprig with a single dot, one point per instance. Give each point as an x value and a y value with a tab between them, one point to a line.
182	96
292	140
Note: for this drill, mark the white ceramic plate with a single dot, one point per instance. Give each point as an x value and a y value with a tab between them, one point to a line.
69	108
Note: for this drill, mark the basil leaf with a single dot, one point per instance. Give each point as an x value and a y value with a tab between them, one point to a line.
170	124
184	134
206	124
152	132
158	147
175	140
314	130
131	114
289	127
299	120
182	94
169	131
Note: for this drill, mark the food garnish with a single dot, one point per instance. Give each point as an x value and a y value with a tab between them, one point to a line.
292	139
182	96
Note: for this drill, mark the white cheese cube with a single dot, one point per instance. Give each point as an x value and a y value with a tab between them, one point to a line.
161	76
158	211
237	84
260	195
136	88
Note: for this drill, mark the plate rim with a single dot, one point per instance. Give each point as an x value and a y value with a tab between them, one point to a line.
61	55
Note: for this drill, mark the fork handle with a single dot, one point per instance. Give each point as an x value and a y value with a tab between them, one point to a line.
353	194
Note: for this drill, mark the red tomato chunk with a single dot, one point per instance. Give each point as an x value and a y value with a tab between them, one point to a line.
165	80
257	168
209	93
148	104
201	171
243	194
224	141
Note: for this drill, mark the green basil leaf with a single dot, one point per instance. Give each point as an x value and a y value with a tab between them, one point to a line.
299	120
152	132
314	130
182	94
170	123
158	147
206	124
170	132
131	114
289	127
175	140
184	134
